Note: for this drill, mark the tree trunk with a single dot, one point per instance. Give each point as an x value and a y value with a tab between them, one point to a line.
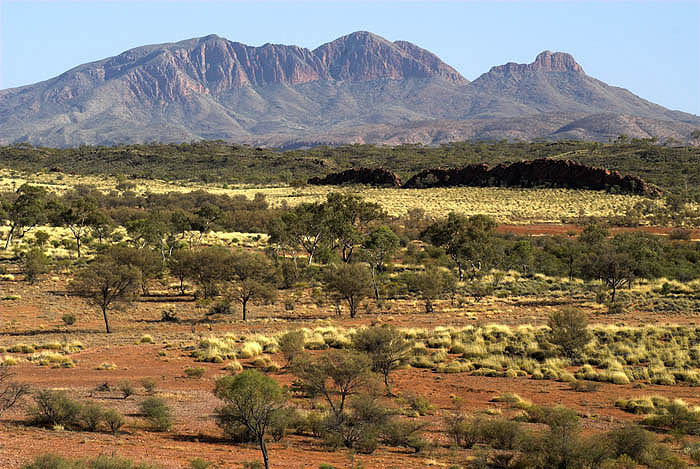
263	449
245	309
614	290
9	238
77	241
387	385
104	313
375	282
351	303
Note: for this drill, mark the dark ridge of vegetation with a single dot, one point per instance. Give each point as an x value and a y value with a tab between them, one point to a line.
672	168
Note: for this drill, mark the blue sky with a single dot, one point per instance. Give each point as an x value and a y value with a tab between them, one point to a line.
651	48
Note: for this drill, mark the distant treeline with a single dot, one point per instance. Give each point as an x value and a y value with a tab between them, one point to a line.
674	169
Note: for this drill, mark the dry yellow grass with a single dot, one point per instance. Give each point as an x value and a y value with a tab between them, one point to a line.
507	205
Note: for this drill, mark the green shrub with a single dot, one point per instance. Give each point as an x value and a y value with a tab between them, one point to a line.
157	413
194	372
113	419
403	434
68	319
149	385
54	408
291	345
419	404
631	440
91	416
52	461
199	463
126	388
569	331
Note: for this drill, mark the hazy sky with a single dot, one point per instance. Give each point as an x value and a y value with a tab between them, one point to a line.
650	48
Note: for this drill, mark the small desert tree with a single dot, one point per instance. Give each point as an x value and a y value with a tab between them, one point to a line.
251	399
335	376
350	282
34	263
387	348
431	284
147	261
569	331
79	216
181	264
104	282
10	392
254	279
29	208
378	247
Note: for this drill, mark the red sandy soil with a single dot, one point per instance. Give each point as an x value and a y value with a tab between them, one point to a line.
36	318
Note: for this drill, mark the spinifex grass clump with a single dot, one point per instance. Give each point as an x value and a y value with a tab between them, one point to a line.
664	355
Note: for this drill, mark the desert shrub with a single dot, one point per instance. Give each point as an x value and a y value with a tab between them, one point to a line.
199	463
54	408
418	404
582	385
693	452
113	419
91	416
146	339
675	416
157	413
149	385
291	345
569	331
52	461
464	432
283	420
194	372
11	393
403	434
125	388
631	440
169	315
223	306
68	319
34	263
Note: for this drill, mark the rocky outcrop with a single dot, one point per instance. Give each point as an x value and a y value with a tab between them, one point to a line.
534	173
369	176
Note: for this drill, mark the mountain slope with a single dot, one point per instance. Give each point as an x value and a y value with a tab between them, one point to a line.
360	87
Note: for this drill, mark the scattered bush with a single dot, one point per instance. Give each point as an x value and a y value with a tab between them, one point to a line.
68	319
194	372
54	408
157	413
113	419
126	388
149	385
291	345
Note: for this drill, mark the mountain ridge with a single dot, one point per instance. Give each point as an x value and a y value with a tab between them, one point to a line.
210	87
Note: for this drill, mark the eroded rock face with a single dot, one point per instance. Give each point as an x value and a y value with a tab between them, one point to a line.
534	173
370	176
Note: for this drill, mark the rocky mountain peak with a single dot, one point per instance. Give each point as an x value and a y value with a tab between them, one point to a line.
556	62
363	56
545	62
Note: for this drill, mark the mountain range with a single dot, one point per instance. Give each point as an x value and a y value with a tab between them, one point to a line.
360	88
